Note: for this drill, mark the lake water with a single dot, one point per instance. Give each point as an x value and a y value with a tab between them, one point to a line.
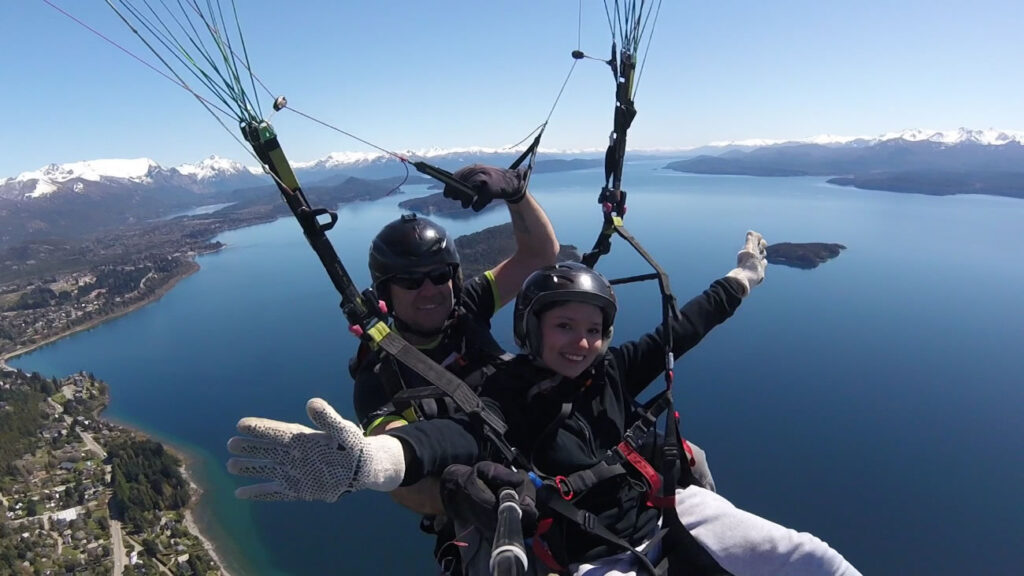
877	401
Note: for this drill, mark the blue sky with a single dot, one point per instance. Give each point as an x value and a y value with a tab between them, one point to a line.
445	73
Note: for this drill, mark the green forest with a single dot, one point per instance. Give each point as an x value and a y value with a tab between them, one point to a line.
21	414
145	480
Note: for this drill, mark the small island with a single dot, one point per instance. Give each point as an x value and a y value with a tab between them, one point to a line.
483	250
805	255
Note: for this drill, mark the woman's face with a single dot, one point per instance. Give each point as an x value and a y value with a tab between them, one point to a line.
571	337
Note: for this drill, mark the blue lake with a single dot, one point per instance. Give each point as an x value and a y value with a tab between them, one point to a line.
877	401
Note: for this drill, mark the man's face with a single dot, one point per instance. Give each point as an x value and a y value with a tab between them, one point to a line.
423	299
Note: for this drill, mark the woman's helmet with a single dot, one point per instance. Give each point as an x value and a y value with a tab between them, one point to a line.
558	284
411	243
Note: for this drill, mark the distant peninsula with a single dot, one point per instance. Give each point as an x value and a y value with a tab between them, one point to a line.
483	250
805	255
437	205
1010	184
934	168
566	165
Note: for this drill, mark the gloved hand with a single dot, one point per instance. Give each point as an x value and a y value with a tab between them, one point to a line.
751	261
308	464
488	182
470	495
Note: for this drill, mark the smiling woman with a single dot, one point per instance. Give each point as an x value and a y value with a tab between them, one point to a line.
564	317
571	337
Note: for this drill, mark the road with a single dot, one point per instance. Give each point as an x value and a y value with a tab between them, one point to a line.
87	438
117	545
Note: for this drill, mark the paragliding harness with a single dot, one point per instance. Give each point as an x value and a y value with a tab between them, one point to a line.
370	325
472	361
367	316
558	493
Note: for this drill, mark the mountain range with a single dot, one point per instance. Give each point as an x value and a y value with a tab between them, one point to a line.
67	200
922	162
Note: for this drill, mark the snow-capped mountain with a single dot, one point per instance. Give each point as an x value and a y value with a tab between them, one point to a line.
214	174
989	137
54	177
383	165
210	174
214	167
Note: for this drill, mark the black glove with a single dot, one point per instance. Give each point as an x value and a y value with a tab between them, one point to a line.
470	495
488	182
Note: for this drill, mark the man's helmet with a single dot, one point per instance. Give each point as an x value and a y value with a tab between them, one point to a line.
558	284
411	243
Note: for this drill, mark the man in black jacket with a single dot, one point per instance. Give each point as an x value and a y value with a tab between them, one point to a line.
416	271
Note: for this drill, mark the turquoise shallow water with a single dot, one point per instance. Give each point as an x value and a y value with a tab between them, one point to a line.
875	401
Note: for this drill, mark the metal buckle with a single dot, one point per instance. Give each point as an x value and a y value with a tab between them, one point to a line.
564	487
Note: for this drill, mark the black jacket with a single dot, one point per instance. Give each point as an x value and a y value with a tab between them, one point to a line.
466	346
602	400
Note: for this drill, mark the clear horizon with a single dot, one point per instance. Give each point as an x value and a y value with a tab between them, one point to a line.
413	76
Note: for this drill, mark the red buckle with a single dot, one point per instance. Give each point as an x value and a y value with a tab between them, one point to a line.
564	487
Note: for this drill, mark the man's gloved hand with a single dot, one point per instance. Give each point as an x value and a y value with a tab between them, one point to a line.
751	261
489	182
470	495
307	464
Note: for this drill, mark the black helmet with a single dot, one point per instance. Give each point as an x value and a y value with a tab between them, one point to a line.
563	282
410	243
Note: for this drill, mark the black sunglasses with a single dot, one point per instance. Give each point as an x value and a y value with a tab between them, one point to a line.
437	276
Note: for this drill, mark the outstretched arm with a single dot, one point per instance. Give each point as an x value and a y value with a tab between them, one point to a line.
536	245
302	463
423	497
643	360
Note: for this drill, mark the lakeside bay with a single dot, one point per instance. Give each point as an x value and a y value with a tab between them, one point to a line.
256	332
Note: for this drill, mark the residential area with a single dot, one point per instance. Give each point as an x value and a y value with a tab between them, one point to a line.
79	496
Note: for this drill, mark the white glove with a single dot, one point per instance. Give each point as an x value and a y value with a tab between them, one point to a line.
751	261
307	464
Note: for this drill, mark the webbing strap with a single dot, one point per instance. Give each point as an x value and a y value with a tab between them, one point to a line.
645	468
548	496
541	550
264	143
417	394
463	396
584	480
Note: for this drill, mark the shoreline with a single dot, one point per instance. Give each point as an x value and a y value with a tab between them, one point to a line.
193	267
189	518
194	489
